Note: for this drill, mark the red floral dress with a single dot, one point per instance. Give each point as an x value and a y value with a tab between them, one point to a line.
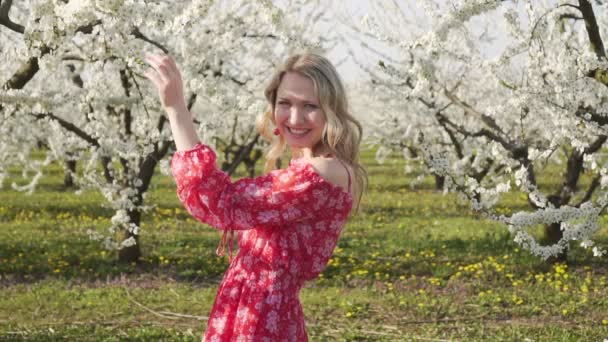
288	223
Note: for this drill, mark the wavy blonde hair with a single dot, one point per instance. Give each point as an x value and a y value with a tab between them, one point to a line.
342	132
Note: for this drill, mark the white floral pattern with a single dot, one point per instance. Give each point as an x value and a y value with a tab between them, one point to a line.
290	219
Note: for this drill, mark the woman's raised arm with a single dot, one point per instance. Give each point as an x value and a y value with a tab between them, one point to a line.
168	80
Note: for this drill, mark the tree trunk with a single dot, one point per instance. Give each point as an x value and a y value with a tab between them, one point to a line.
68	180
439	182
146	171
553	234
250	162
132	253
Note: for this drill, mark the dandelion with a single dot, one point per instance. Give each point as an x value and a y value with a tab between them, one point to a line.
517	300
434	281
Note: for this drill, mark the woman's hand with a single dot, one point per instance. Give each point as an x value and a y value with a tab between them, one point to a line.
168	80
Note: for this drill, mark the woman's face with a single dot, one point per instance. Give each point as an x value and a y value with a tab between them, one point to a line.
297	112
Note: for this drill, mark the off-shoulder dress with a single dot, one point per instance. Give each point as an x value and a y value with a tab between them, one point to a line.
287	221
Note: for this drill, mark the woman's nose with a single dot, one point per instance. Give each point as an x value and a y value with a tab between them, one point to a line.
296	116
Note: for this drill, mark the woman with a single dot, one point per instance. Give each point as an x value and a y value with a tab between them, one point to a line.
289	220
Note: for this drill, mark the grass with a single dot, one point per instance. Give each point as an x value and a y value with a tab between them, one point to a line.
412	265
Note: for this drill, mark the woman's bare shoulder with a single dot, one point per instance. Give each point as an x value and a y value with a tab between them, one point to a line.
332	170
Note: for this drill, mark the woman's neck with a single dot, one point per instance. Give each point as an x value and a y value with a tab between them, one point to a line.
308	153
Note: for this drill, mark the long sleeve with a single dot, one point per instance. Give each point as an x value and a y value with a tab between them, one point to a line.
275	199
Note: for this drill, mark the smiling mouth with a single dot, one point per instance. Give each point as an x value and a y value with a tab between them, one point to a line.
298	131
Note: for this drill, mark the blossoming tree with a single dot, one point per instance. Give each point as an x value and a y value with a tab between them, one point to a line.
490	117
75	84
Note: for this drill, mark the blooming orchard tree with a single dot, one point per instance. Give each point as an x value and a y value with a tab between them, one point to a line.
72	80
392	95
490	118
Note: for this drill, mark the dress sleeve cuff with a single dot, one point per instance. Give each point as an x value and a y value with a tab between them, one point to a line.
191	164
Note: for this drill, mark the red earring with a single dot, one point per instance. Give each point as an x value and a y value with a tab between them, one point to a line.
276	131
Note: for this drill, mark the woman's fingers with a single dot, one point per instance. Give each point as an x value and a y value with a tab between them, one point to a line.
164	63
172	65
161	69
165	75
153	76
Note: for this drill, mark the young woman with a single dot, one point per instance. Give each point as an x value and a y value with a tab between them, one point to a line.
289	220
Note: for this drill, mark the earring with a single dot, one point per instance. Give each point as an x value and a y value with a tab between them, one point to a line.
276	131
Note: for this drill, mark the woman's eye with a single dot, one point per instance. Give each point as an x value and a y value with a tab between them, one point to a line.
283	103
311	106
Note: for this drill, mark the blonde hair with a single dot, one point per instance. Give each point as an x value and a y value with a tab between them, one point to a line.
342	132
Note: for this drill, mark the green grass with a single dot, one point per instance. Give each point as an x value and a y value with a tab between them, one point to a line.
412	265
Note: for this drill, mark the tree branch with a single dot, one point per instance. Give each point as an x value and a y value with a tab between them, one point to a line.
250	35
574	168
487	120
592	187
596	145
5	7
28	69
70	127
595	39
137	33
457	144
243	153
88	28
546	13
594	116
570	16
593	31
518	151
25	72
